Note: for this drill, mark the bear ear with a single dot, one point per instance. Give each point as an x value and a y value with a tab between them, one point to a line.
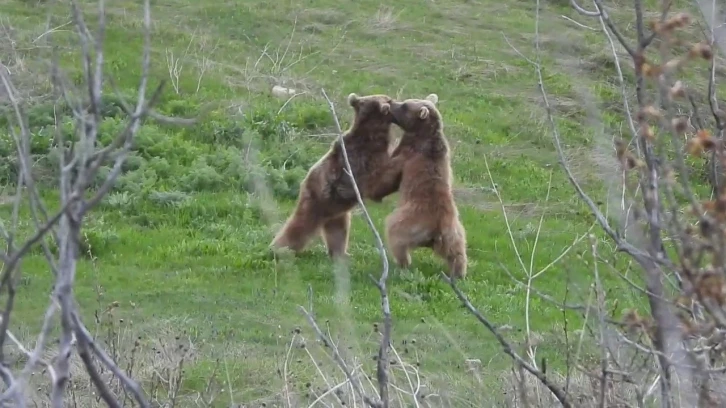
353	99
433	98
423	113
385	108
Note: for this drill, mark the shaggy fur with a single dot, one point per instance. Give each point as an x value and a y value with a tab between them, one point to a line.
420	168
327	195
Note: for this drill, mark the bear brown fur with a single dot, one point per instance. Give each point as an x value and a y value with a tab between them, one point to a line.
420	168
327	195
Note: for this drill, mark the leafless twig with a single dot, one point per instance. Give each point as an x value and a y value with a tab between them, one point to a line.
383	350
507	347
78	167
383	364
339	359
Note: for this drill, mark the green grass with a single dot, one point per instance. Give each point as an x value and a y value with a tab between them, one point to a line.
184	236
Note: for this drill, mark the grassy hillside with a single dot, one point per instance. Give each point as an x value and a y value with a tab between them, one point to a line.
181	243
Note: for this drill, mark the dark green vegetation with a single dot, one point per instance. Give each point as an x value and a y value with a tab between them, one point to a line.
181	243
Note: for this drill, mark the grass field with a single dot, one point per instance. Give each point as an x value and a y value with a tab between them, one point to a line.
181	243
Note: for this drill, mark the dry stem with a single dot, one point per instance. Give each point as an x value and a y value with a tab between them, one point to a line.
77	168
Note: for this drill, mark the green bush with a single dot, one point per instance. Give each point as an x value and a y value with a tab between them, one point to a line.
201	177
258	150
148	140
97	240
101	176
310	116
220	128
138	182
132	163
110	129
174	148
162	167
180	108
41	141
9	170
271	128
228	161
293	177
168	198
119	200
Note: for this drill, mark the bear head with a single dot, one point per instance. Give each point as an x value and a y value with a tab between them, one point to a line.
374	109
416	115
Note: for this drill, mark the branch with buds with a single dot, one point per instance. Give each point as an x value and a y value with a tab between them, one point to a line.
681	255
676	251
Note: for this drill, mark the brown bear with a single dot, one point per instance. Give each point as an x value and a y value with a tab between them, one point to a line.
327	195
420	168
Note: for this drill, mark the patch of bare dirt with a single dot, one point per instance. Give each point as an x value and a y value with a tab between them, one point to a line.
482	200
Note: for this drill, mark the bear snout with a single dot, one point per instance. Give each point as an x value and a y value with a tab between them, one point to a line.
397	112
395	118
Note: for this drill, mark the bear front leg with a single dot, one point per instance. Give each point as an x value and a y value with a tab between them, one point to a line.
335	235
386	180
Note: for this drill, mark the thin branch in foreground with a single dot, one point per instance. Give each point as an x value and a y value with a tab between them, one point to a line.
507	347
660	166
623	245
338	359
77	168
383	364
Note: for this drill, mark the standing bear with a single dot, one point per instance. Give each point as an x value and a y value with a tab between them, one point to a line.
420	167
327	195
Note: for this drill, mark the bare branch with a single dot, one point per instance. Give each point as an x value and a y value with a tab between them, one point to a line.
583	11
623	245
85	342
603	15
338	359
77	168
660	169
383	363
507	347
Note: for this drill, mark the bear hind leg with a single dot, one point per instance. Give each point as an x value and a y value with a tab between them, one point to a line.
297	232
335	234
404	235
401	254
451	246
